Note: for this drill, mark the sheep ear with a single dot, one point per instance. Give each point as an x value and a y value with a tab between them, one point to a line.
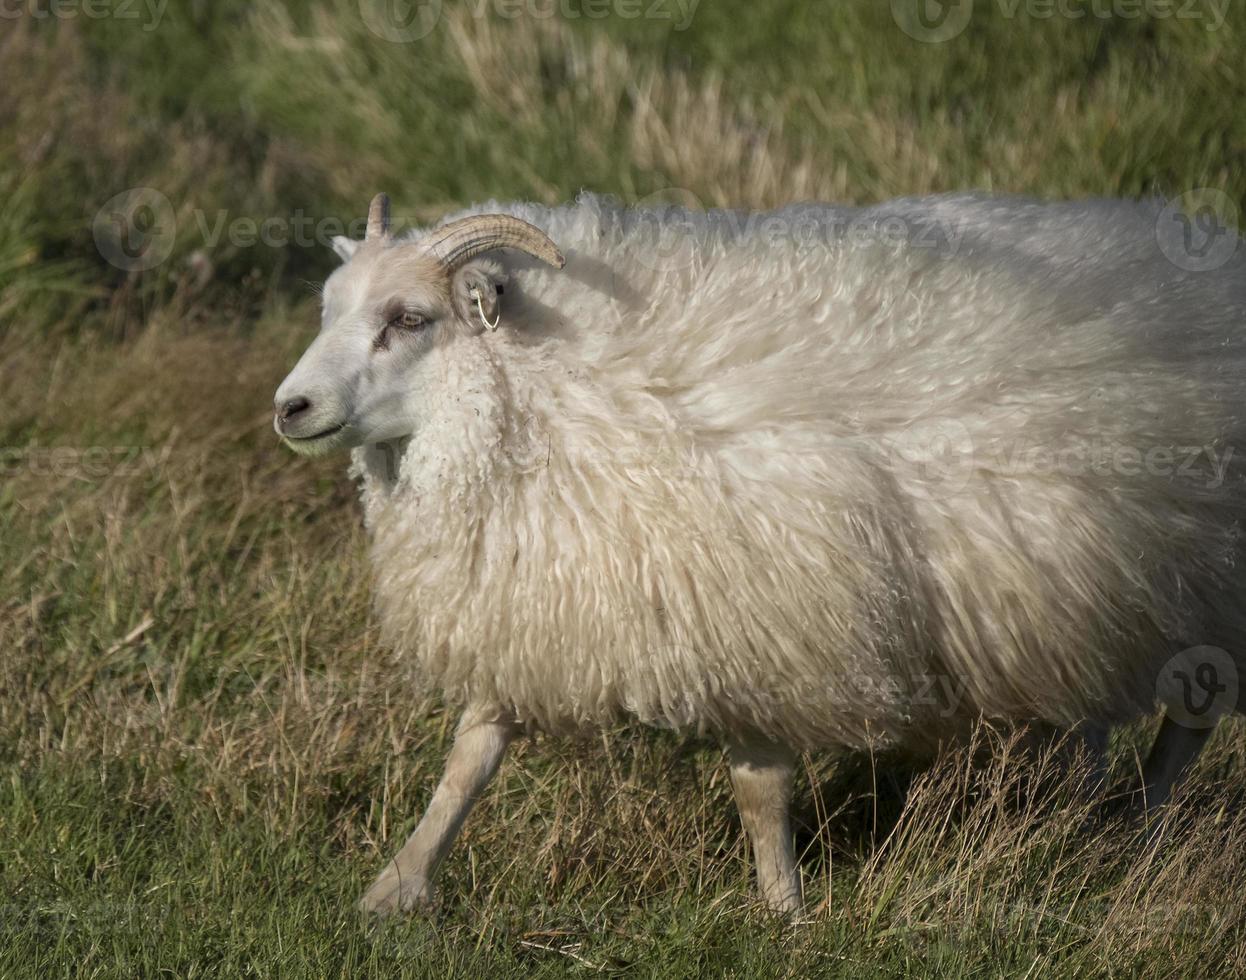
475	296
345	247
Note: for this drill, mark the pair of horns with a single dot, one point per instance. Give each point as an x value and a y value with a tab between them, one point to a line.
461	240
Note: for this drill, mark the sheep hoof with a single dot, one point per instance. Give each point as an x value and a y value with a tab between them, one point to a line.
786	906
394	892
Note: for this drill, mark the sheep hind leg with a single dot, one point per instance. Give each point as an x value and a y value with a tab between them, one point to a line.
1171	757
407	881
1208	690
761	776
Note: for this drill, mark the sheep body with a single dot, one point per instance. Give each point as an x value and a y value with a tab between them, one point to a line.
698	490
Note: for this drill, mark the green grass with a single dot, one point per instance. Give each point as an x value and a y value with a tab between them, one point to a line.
203	761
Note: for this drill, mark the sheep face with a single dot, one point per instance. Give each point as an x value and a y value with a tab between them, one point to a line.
371	374
368	375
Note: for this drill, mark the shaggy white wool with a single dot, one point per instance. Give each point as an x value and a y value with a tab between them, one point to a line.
836	476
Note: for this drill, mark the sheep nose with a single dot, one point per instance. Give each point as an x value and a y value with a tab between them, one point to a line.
287	410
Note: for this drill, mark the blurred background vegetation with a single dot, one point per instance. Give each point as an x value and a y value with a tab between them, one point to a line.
268	110
203	760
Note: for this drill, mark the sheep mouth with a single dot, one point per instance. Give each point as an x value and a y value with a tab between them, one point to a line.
331	431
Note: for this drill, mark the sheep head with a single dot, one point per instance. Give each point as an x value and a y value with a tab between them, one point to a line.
385	312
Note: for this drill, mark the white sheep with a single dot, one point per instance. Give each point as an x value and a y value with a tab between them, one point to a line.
822	477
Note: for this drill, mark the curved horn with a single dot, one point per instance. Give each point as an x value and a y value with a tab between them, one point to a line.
460	240
378	218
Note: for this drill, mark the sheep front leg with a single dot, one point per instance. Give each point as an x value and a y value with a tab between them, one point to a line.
407	881
761	775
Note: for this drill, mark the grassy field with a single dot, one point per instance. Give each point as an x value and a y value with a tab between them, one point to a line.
203	760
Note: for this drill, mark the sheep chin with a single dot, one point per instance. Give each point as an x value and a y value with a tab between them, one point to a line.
339	439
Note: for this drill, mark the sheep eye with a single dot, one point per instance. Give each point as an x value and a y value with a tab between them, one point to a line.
409	320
